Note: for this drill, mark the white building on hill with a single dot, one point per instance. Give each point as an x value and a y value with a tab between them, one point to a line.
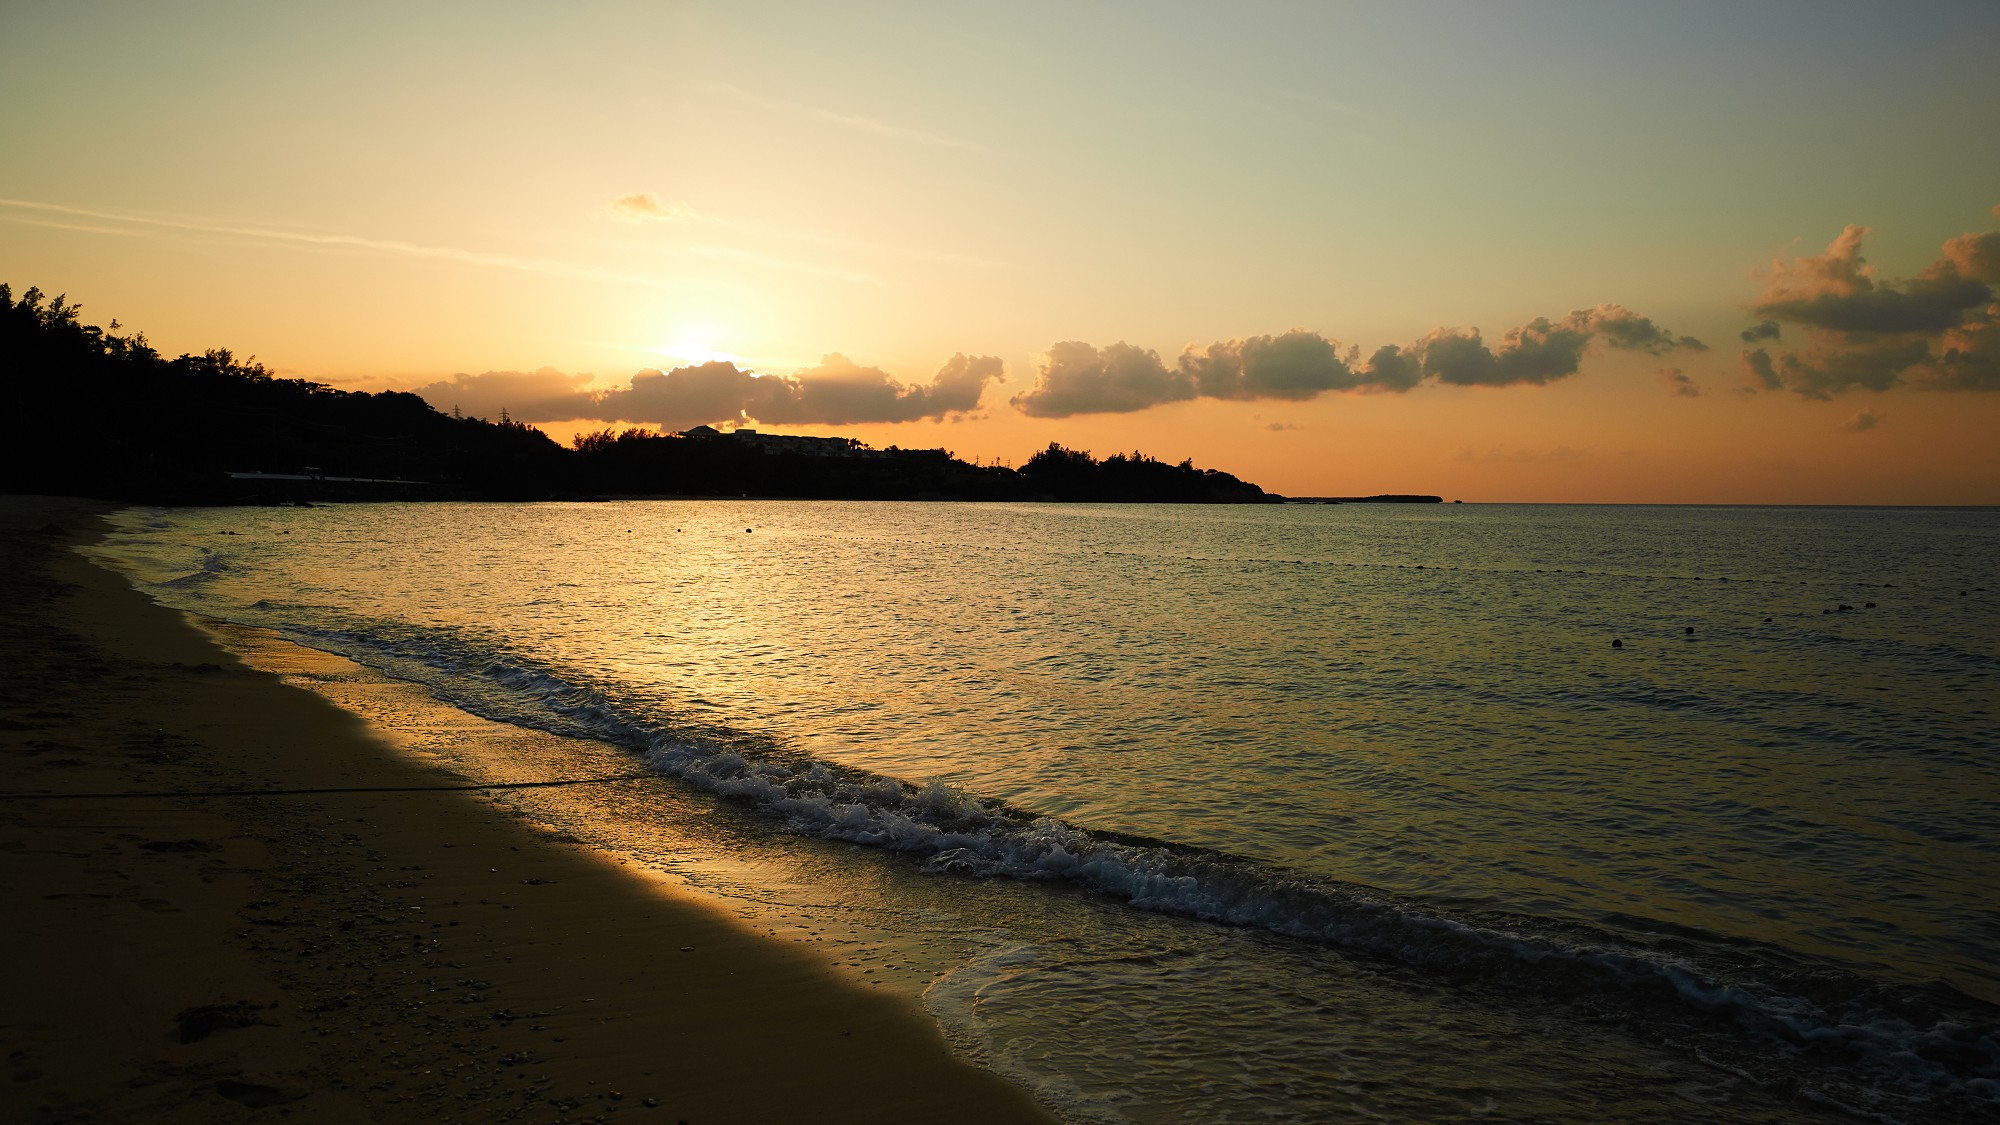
789	443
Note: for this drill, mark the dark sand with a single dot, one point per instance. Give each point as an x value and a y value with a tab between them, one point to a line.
390	956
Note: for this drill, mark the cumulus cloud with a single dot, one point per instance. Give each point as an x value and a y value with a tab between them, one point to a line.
542	395
1679	383
1864	421
1935	330
1836	291
1536	352
645	207
1976	256
1832	366
1395	369
717	391
1294	366
1542	351
1968	356
1080	379
1622	328
839	392
836	392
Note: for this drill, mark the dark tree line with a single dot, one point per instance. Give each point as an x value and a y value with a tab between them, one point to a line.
97	413
1069	474
100	413
642	462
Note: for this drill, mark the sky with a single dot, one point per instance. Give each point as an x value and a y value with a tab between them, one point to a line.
1559	252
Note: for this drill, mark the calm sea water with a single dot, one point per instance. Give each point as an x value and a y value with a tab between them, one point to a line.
1281	812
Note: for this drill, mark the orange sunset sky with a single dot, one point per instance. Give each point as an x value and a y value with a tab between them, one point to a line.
1591	252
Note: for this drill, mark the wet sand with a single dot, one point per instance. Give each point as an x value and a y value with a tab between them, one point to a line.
397	951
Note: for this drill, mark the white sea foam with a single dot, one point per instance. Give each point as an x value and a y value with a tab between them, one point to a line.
1807	788
954	833
953	1001
211	567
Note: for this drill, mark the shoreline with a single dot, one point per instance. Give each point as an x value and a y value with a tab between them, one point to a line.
409	951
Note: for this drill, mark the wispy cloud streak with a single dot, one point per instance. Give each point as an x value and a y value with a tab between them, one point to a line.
337	241
345	241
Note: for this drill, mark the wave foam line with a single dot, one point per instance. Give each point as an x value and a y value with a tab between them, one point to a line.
1915	1046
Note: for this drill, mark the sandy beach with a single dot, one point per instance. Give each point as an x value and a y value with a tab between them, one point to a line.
227	898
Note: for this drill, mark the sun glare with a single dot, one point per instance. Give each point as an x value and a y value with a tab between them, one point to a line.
697	344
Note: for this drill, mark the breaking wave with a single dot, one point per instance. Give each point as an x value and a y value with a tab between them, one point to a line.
1821	1029
211	567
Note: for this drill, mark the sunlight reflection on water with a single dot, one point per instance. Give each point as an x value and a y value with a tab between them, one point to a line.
1423	700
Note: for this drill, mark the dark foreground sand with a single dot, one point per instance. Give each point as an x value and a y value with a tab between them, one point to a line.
390	956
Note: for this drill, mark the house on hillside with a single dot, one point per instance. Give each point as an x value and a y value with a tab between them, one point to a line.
798	444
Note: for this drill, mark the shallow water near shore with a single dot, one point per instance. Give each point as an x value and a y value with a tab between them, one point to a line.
1271	813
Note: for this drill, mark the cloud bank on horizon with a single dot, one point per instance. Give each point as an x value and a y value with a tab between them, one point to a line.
1826	325
1938	331
836	392
1076	378
1081	379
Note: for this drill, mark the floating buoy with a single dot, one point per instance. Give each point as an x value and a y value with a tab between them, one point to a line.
1689	630
1767	621
1616	643
1867	605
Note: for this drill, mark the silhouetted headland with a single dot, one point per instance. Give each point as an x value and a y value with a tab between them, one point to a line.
114	419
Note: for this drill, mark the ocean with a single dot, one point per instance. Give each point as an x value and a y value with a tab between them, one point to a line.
1257	813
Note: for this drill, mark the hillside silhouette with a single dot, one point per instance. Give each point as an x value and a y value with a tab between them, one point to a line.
106	415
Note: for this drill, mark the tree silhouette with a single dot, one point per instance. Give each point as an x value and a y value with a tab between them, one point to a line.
111	418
